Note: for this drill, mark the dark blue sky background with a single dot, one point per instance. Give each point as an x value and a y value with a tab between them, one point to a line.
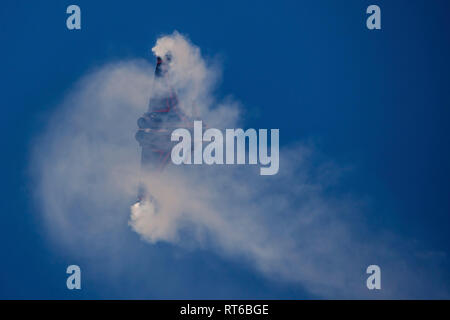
377	101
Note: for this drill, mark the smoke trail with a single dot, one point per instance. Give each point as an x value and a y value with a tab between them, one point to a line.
291	227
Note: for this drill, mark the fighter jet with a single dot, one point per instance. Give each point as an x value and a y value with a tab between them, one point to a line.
156	125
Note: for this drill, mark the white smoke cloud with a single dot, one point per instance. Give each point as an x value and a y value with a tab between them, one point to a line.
194	80
290	226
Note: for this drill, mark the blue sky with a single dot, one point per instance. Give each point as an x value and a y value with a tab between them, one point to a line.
374	101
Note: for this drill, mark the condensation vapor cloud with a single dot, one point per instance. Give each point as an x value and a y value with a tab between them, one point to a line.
289	227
